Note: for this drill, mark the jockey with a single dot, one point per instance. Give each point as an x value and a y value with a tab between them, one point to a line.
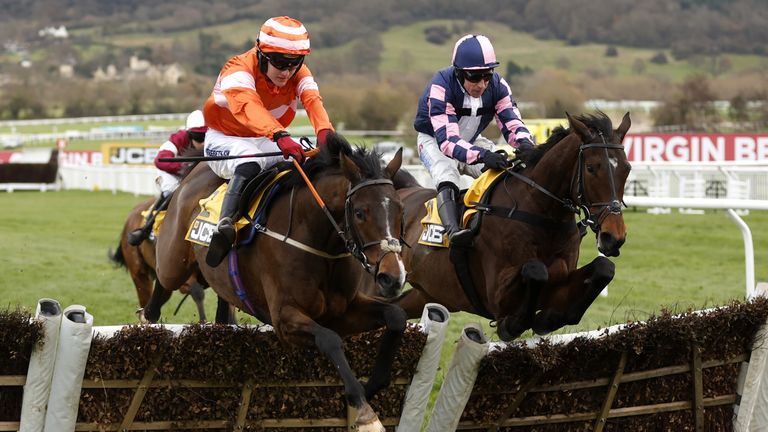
252	103
457	104
192	136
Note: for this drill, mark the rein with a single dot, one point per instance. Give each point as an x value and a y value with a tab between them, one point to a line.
583	206
352	241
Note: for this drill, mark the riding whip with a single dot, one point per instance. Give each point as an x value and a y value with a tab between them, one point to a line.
307	153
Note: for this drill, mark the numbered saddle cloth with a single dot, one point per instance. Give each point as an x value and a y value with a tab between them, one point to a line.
433	232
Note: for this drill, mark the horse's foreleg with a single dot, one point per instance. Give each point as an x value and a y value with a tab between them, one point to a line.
412	302
225	314
365	314
569	301
160	296
298	328
534	275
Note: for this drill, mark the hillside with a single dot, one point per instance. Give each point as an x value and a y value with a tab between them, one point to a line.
138	56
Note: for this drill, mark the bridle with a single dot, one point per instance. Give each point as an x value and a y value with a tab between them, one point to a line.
581	205
354	242
606	208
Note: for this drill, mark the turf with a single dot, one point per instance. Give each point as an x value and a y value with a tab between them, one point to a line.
55	245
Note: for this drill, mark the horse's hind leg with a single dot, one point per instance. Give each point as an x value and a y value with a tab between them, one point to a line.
160	296
197	292
575	296
298	328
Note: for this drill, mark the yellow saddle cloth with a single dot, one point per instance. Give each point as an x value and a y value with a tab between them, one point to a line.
433	233
202	228
158	220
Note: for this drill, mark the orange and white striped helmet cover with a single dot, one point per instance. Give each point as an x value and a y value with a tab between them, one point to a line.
284	35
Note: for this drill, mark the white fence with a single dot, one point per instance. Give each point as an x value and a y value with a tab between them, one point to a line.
731	181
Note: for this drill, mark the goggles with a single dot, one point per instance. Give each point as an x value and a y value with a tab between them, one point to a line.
474	76
283	61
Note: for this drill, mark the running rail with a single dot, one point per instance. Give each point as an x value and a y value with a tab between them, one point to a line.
712	203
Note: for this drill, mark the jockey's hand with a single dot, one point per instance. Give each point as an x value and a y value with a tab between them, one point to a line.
289	147
495	160
524	144
322	137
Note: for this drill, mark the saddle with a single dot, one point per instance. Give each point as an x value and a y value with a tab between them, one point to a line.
255	199
433	232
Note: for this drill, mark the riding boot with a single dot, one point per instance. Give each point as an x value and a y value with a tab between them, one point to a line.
224	236
448	209
137	236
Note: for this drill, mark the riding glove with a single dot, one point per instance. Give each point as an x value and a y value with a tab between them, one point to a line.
524	144
495	161
288	146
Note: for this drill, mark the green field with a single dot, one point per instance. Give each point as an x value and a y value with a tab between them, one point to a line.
55	245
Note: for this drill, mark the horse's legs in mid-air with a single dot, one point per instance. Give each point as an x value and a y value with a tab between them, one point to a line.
197	292
159	297
224	312
296	327
413	301
534	275
365	314
581	289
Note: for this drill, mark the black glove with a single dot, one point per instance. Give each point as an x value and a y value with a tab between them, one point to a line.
495	160
524	144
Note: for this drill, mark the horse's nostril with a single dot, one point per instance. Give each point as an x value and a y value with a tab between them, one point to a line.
388	285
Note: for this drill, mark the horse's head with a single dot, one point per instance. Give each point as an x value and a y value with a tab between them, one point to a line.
373	216
598	184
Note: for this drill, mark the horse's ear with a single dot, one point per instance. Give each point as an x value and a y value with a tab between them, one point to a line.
580	128
350	169
621	131
394	164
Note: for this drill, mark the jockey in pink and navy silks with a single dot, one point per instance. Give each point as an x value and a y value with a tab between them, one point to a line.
457	104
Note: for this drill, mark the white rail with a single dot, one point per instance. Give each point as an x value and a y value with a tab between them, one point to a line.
711	203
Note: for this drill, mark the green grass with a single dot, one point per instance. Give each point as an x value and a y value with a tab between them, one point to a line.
55	245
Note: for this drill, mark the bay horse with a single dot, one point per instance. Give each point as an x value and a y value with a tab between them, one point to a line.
139	261
304	280
522	266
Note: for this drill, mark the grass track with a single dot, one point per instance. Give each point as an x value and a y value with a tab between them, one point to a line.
55	245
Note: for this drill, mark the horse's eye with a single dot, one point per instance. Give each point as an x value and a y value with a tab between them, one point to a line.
590	169
360	214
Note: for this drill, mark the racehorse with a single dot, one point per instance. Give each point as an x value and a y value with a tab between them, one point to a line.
139	261
521	270
304	280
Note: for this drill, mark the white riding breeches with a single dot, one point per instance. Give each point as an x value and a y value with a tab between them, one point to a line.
167	182
218	144
443	168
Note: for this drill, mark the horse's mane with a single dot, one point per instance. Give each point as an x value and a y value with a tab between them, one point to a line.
596	123
327	161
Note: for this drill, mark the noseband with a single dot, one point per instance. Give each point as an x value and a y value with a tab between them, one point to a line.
353	240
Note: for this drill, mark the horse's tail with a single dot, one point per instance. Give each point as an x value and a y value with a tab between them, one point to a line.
117	257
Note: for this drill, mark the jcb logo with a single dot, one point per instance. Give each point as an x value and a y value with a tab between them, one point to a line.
433	234
201	232
133	154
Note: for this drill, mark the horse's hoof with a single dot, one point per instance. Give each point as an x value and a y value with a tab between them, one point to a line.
368	421
141	317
